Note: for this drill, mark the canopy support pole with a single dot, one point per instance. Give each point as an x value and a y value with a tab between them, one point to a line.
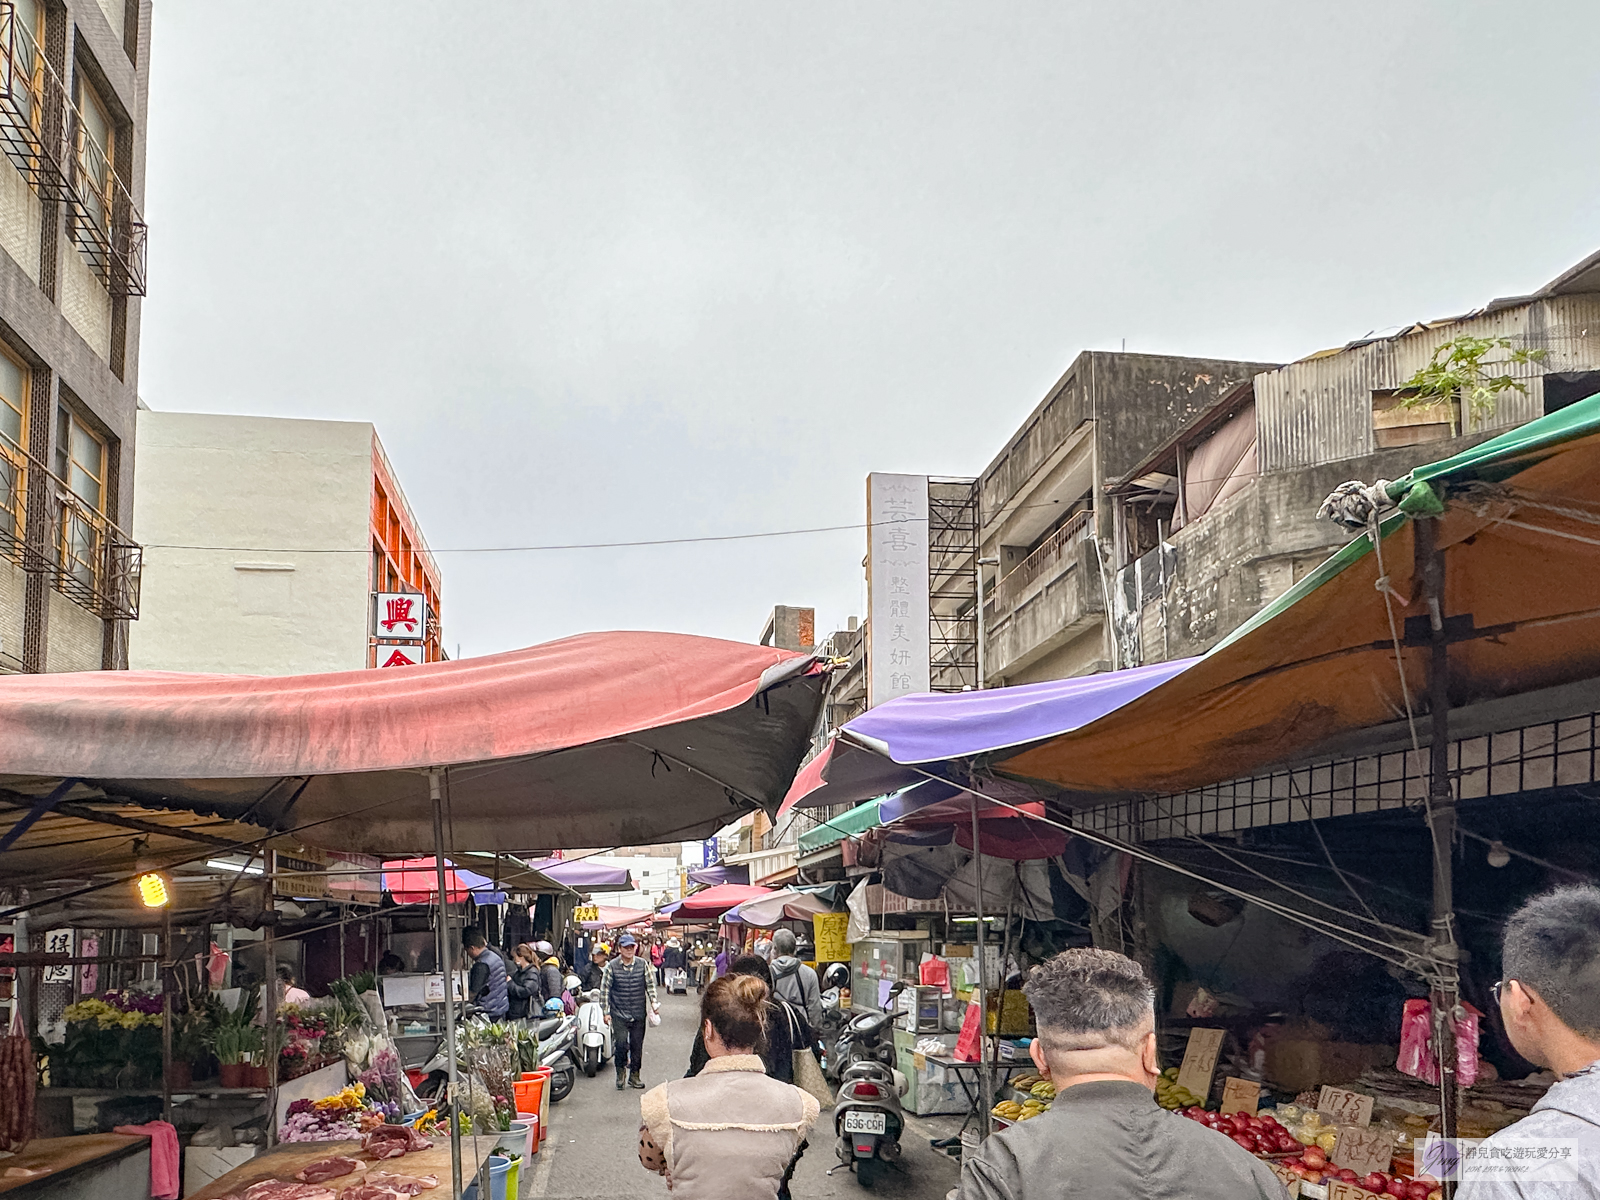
448	967
985	1079
1445	995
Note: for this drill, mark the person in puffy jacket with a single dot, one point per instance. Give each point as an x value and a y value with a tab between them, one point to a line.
554	978
524	982
486	982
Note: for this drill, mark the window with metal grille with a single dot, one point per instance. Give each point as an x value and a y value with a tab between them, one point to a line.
95	145
81	465
13	464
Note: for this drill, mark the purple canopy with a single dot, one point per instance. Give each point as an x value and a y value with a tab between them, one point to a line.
584	874
720	873
873	754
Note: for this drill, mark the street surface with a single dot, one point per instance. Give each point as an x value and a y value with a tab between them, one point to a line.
592	1153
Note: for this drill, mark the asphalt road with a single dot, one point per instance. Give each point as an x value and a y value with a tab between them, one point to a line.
592	1153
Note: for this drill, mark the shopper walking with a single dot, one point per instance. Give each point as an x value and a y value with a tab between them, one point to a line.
595	975
729	1133
793	980
486	982
1549	1000
628	992
657	957
524	983
1104	1135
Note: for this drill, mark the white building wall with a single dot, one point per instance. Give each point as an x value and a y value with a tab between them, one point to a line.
257	545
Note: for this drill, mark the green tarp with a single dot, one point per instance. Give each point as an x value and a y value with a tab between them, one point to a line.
847	824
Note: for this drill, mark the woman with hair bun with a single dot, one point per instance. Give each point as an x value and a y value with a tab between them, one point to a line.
730	1132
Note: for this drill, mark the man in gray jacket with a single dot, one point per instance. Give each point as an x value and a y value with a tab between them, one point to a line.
1549	995
793	980
1104	1136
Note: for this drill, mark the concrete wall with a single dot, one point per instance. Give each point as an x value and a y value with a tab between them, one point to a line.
264	494
1055	610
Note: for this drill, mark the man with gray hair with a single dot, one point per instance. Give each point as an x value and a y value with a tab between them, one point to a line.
793	980
1104	1136
1549	997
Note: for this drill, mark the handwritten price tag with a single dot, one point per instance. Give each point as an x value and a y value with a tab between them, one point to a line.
1240	1095
1339	1189
1363	1149
1290	1181
1343	1107
1200	1061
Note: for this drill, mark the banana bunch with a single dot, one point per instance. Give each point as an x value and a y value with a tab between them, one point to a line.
1043	1090
1008	1110
1170	1095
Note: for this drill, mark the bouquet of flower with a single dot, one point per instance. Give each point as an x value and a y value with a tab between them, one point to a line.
112	1040
382	1083
117	1010
308	1123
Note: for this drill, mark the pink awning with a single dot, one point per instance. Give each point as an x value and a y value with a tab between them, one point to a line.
713	902
612	917
600	739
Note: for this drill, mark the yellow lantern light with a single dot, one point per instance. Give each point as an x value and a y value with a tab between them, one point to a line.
153	890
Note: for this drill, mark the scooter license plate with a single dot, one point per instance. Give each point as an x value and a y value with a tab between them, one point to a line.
866	1122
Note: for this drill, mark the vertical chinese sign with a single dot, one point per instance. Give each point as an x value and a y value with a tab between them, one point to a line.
897	586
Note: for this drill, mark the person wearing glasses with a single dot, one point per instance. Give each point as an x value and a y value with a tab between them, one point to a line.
1549	1000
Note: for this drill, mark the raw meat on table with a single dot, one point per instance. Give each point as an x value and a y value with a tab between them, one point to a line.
325	1169
391	1141
406	1185
285	1189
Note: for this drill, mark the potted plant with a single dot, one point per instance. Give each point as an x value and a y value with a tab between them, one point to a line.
234	1037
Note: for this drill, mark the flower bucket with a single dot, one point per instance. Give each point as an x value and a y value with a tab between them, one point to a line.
515	1138
530	1120
499	1174
544	1074
232	1075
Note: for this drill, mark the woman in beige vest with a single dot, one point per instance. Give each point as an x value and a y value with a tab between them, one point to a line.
730	1132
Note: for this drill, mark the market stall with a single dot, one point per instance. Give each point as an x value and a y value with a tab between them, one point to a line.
636	737
100	1166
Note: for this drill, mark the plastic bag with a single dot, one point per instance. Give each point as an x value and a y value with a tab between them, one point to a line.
1416	1056
934	971
655	1016
969	1045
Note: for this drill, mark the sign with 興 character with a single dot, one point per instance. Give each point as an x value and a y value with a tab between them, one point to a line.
400	616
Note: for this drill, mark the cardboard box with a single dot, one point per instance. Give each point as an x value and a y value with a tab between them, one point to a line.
204	1164
1296	1064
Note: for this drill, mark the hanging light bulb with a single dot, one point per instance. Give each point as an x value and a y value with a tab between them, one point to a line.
1498	855
153	890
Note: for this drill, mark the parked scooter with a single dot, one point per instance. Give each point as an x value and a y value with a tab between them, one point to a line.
558	1049
834	979
868	1119
594	1035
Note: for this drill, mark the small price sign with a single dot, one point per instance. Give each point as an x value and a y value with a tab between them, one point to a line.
586	912
1363	1149
1291	1181
1200	1061
1343	1107
1240	1095
1340	1189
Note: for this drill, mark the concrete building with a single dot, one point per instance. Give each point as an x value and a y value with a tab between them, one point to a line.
74	78
1235	489
266	540
1042	516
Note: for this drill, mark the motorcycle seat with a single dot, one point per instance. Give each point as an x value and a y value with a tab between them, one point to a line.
548	1028
870	1024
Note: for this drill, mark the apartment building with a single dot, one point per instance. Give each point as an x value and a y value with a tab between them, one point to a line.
74	82
1043	522
267	544
1219	518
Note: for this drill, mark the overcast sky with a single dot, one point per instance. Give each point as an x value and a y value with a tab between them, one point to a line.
629	271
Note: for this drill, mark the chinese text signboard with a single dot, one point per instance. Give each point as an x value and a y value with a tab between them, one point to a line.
397	656
1343	1107
897	586
586	912
829	931
1240	1095
1363	1149
58	941
400	617
1200	1061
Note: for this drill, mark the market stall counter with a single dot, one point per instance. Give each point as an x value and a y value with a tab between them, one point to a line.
90	1166
287	1160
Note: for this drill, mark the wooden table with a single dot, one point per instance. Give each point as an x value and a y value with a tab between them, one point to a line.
86	1165
283	1161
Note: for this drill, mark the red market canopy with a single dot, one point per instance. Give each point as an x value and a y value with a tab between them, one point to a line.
713	901
619	918
599	739
416	881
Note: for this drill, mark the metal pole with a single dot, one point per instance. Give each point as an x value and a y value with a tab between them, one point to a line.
269	995
166	1014
1445	997
985	1080
980	564
448	966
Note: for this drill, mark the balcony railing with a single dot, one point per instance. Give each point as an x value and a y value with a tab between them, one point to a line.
47	140
88	558
1046	559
